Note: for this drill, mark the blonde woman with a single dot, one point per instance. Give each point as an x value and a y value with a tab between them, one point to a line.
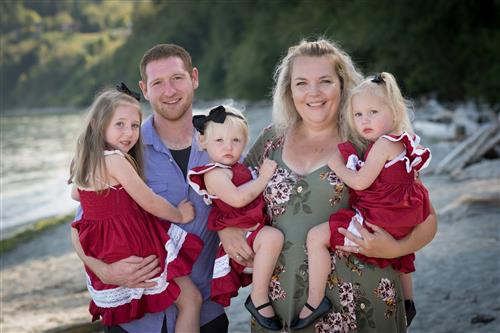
384	192
312	83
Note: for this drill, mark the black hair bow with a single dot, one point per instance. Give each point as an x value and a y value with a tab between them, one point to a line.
378	79
122	87
217	115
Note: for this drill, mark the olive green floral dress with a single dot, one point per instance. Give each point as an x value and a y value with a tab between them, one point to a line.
365	298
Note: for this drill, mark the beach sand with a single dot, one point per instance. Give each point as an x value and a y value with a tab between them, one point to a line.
456	283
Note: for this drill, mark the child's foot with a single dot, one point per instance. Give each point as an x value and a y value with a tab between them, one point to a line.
410	311
271	323
305	312
268	311
299	323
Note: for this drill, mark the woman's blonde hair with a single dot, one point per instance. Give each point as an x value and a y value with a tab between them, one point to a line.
88	161
285	114
385	86
229	122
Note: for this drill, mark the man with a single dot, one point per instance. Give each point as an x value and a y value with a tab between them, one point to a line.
168	82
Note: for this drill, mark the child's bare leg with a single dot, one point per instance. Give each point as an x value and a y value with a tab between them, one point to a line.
267	247
318	254
189	305
410	309
407	283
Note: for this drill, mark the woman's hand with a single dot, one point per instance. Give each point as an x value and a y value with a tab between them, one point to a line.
236	246
379	244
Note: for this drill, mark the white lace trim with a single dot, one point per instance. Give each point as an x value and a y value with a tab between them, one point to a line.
222	267
356	218
174	244
110	298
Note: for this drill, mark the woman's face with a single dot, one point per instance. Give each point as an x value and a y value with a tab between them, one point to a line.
315	90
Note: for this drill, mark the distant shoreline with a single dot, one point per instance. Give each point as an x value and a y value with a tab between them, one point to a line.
19	234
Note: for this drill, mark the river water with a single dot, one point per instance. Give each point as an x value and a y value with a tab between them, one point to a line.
35	153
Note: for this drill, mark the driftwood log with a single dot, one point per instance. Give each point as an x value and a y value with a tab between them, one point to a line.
471	150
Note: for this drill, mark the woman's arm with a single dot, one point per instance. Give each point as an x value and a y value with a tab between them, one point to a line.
130	272
218	182
380	244
120	169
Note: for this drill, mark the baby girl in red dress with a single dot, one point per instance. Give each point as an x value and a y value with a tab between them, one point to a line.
237	202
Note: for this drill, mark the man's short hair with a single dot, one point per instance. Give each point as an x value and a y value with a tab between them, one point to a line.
163	51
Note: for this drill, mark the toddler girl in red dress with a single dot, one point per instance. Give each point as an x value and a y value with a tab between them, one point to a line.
237	202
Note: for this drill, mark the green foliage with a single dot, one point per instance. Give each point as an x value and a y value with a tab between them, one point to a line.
27	234
444	47
61	52
48	45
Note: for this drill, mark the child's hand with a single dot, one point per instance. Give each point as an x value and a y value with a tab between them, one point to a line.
187	211
267	168
336	160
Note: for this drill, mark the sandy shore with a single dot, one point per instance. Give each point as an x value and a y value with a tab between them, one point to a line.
457	279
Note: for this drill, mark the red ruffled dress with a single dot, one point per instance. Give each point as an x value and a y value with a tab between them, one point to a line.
114	227
229	275
394	201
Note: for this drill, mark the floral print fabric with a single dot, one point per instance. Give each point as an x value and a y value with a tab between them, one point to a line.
365	298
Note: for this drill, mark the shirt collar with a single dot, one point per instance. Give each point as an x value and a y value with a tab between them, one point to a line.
151	137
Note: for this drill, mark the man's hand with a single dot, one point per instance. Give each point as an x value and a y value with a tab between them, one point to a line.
132	272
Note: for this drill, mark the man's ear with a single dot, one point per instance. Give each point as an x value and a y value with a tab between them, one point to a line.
195	78
144	89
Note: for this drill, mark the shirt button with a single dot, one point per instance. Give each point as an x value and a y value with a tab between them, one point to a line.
299	189
362	306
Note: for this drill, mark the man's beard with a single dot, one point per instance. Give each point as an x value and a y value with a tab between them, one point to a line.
177	113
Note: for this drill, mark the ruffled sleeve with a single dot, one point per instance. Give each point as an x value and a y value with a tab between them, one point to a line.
196	180
416	158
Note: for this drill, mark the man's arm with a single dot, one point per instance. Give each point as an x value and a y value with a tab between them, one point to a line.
130	272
